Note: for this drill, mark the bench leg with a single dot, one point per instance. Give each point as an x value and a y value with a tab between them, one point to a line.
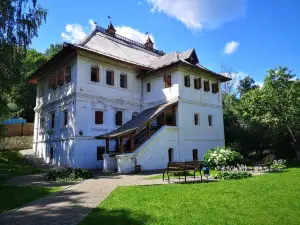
184	176
163	176
194	175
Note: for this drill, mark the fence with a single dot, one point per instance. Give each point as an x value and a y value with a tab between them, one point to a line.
24	129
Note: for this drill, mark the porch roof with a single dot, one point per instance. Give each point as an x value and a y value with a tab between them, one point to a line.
137	122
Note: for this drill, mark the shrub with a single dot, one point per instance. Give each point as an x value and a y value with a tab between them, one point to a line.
278	165
16	143
231	175
67	173
221	157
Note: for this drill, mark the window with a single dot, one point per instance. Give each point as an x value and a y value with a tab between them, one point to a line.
98	117
65	118
170	154
123	81
67	73
95	73
215	87
100	152
148	87
210	120
167	81
197	83
187	81
51	153
52	120
110	77
119	118
196	118
206	86
195	154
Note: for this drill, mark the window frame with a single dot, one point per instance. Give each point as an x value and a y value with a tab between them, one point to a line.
126	80
112	77
215	87
206	86
97	74
101	120
187	81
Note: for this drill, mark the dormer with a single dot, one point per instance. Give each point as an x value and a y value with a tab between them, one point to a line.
111	30
149	44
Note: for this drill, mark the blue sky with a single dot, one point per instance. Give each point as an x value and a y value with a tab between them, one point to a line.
249	37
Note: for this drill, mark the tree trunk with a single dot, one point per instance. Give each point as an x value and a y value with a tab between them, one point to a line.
295	143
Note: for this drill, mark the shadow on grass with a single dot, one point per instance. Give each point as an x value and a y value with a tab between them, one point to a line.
124	217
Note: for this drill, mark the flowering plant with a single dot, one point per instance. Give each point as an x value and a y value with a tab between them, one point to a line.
278	165
221	156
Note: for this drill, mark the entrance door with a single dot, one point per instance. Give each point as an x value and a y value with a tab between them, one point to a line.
170	154
195	154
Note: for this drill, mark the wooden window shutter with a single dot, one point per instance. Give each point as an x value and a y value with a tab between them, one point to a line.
169	81
165	81
208	86
98	74
98	117
200	82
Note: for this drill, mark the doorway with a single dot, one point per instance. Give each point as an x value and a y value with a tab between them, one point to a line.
170	154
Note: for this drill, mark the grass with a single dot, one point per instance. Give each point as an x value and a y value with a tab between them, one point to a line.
13	164
266	199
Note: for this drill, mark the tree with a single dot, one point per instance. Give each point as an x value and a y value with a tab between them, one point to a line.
22	97
276	105
246	85
53	49
19	22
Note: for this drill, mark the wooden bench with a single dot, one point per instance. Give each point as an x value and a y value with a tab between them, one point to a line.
183	168
265	162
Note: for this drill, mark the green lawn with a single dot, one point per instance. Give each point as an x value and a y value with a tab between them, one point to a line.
266	199
13	164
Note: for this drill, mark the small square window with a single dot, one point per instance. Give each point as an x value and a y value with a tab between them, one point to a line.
196	119
42	123
123	81
100	152
110	77
95	74
210	120
187	81
148	87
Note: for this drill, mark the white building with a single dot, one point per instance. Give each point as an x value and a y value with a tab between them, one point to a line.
112	103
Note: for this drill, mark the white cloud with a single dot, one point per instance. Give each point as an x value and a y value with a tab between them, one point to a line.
75	33
231	47
133	34
139	3
199	14
259	83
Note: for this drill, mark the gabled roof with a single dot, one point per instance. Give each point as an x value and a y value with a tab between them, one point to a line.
138	122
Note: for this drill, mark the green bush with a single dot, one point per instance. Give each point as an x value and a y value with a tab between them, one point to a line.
67	173
221	157
231	175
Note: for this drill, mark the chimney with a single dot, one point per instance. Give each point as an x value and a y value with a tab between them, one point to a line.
111	30
149	44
